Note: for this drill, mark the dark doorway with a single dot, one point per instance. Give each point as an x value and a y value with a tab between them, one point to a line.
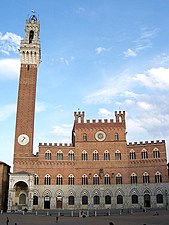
147	202
47	202
59	202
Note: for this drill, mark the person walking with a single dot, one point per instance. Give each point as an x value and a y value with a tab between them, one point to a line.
7	221
57	218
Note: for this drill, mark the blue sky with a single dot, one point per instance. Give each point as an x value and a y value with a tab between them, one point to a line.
98	56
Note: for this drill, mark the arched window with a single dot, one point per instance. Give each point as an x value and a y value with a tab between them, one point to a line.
36	179
118	179
84	179
107	179
119	199
95	179
116	136
48	155
158	177
95	155
59	155
35	200
156	153
84	156
47	179
134	199
31	36
71	200
84	137
22	199
133	178
59	179
146	178
159	198
117	155
71	156
84	200
144	154
71	179
96	200
107	199
106	155
132	155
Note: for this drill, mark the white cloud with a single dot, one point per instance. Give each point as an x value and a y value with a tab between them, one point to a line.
9	68
6	111
129	53
62	132
99	50
65	61
155	78
9	42
104	113
145	106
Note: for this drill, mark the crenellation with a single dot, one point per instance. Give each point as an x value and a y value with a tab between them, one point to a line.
146	143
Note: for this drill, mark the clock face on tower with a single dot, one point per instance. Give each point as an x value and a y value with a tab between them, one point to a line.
23	139
100	136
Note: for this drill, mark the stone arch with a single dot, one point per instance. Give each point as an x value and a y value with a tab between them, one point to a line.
84	192
47	192
96	192
107	192
134	191
119	192
59	192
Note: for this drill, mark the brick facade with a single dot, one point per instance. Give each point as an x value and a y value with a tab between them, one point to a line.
99	169
4	184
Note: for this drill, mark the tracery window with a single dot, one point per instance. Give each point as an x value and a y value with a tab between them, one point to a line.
144	154
107	199
132	155
59	179
84	179
59	155
117	155
146	178
36	179
107	179
133	178
95	179
106	155
158	177
156	153
71	179
48	155
118	179
95	155
71	155
84	156
47	179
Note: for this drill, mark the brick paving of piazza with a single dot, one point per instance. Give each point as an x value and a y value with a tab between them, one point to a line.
124	219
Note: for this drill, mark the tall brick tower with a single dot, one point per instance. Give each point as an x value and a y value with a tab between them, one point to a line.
30	54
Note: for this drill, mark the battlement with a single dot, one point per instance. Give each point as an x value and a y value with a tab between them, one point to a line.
55	144
120	118
146	143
